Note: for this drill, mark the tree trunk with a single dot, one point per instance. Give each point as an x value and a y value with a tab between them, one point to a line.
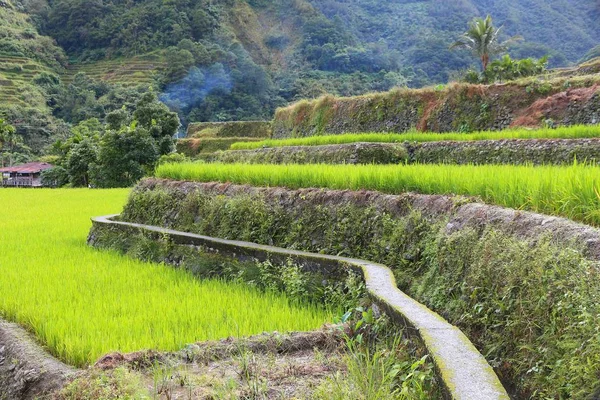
485	59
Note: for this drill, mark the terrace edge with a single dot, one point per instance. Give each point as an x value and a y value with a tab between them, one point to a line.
464	372
27	371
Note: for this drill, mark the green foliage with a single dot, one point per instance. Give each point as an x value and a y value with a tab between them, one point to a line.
570	132
507	69
82	303
541	293
483	40
123	150
55	177
6	132
172	158
569	191
12	147
78	161
543	297
193	38
124	157
19	39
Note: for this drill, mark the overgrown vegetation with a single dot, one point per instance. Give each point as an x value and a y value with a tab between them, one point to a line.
564	132
194	147
120	152
378	366
506	69
529	305
52	279
458	107
252	129
11	145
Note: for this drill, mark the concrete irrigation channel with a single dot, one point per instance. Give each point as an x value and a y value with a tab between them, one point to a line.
464	372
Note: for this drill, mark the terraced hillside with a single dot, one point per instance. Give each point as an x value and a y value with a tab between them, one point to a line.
16	81
23	55
139	70
447	251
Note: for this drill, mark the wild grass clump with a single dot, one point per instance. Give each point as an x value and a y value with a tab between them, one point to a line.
569	191
82	303
570	132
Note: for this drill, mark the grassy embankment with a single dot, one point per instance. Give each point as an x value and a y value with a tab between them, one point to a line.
83	303
571	132
572	191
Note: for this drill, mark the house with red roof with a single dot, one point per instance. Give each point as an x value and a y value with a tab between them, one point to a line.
24	175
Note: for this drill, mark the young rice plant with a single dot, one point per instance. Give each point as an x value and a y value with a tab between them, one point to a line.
568	191
569	132
82	303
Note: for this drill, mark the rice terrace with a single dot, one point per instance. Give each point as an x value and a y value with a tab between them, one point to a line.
312	200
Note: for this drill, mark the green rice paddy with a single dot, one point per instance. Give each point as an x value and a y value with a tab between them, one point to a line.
82	303
568	191
570	132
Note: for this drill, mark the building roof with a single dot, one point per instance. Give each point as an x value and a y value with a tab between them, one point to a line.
29	168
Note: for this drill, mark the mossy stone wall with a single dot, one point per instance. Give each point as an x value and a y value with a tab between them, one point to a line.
458	107
523	287
356	153
514	152
243	129
194	147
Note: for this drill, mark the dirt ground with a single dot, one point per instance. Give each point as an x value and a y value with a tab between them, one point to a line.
267	366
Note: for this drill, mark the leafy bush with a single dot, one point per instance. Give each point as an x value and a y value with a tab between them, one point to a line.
507	69
55	177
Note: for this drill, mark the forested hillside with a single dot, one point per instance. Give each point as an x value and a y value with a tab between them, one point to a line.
218	60
422	31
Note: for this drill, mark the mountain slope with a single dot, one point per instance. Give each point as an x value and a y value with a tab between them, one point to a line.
215	60
423	30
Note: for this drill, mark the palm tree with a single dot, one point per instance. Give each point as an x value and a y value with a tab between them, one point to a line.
483	39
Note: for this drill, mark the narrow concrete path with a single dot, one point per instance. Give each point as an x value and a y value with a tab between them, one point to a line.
465	373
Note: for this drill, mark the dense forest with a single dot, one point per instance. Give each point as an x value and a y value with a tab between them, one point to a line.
217	60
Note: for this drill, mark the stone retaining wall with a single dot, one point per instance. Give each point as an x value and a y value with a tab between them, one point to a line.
538	152
464	372
230	129
355	153
463	259
531	151
458	107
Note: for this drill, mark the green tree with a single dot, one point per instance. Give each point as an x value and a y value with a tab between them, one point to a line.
483	40
80	160
9	140
124	157
156	119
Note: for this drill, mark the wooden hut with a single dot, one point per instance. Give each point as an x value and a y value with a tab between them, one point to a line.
24	175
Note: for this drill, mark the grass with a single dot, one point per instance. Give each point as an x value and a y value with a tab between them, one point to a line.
568	191
571	132
82	303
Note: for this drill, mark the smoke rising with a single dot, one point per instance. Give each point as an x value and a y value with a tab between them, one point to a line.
192	90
